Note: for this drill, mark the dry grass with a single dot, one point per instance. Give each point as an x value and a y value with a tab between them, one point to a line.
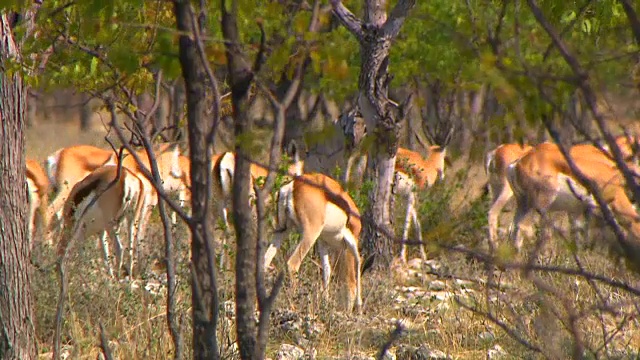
431	300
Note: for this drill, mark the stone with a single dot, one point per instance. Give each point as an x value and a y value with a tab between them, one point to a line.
289	352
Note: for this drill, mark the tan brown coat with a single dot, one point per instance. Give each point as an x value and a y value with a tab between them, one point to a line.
542	180
325	214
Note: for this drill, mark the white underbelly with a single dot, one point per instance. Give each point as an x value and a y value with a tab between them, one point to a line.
571	196
335	222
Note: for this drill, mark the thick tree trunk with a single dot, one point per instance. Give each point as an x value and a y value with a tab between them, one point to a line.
16	304
204	294
375	34
378	231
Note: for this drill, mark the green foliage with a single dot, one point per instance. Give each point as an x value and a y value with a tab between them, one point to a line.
361	193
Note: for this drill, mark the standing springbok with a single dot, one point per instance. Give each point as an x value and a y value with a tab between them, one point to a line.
498	160
495	165
321	210
542	180
38	185
415	173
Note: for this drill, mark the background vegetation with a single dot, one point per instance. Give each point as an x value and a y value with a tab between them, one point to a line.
493	69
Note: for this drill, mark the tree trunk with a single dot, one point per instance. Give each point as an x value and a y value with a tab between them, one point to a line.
204	291
375	34
32	110
16	304
145	103
241	77
378	230
177	108
86	112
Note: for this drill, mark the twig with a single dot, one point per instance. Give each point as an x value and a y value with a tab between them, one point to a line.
393	337
104	344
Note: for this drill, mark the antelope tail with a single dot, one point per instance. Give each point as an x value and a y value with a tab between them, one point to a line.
488	161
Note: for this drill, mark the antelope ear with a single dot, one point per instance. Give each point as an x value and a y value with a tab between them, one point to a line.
113	159
176	170
292	150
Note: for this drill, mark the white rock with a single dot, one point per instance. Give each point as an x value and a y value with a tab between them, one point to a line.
289	352
437	285
496	352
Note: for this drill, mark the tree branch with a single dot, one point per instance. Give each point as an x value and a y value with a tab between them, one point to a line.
632	16
397	17
348	20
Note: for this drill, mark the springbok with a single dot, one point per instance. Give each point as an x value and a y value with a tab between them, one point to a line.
223	170
498	160
415	173
98	203
542	180
66	167
321	210
102	200
173	169
38	185
495	165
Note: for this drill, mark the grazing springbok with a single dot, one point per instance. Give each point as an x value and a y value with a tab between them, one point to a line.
98	203
542	180
495	165
173	169
102	200
65	168
38	185
322	211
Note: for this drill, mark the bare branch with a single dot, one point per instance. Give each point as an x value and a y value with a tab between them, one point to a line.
348	20
315	17
632	16
104	344
397	17
143	169
261	56
212	80
501	324
393	337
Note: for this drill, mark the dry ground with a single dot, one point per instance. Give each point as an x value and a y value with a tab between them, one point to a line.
439	302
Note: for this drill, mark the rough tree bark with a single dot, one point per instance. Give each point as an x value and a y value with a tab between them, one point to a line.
241	76
16	304
375	33
204	293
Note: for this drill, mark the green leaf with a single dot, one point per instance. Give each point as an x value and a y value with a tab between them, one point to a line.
94	66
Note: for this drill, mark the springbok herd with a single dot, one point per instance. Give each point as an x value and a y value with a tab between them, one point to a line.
94	195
